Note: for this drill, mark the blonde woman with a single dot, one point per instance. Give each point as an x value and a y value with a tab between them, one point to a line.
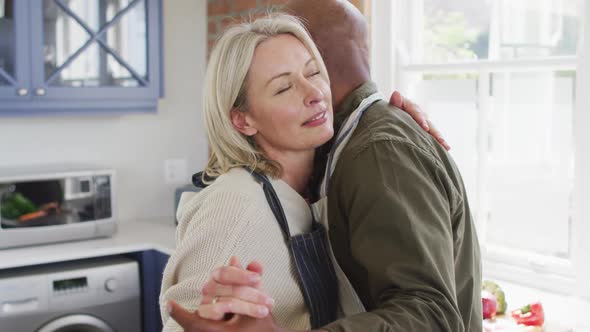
267	107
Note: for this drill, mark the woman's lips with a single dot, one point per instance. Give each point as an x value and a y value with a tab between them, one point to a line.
316	120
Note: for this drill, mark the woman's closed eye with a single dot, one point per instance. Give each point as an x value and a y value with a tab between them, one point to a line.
287	87
283	89
315	73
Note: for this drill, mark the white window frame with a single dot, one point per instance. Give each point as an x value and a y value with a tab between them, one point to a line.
395	21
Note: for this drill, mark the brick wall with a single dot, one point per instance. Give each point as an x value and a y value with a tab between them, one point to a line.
222	13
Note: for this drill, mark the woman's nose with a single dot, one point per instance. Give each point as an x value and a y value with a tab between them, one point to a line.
313	94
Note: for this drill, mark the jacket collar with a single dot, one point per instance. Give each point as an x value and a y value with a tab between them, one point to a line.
351	102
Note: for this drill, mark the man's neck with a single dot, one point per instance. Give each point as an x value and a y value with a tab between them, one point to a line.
341	91
349	102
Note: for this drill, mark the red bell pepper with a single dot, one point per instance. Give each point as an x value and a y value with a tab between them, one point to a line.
530	315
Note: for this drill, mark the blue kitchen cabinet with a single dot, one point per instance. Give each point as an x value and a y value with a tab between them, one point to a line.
152	264
83	55
14	53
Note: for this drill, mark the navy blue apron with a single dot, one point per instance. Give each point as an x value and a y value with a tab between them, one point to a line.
315	271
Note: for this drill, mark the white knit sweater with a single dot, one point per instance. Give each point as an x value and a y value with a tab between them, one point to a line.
232	217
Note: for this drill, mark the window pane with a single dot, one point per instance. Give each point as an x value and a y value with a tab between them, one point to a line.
533	28
456	30
530	165
504	29
451	104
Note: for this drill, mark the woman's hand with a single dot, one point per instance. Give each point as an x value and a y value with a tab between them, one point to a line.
235	290
418	115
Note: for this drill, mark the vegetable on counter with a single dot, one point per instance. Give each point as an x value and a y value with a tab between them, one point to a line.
488	304
530	315
495	289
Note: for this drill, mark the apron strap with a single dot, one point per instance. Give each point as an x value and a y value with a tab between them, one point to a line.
197	180
274	202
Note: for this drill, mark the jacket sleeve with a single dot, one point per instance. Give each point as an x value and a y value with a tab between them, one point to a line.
398	201
206	237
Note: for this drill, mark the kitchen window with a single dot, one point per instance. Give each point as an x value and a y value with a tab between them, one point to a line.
502	80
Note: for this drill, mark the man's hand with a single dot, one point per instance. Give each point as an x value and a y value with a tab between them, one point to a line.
235	290
192	322
418	115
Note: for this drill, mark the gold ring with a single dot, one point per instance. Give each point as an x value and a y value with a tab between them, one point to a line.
215	299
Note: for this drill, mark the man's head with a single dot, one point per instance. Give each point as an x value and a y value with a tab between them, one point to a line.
340	31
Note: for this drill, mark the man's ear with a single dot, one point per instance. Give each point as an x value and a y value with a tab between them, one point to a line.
241	122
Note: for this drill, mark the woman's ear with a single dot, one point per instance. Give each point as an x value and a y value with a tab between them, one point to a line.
241	122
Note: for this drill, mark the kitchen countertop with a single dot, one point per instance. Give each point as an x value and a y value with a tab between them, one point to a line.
157	234
563	313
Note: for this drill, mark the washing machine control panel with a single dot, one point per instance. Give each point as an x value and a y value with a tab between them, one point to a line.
69	285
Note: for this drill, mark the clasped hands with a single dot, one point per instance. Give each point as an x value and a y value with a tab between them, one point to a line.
231	301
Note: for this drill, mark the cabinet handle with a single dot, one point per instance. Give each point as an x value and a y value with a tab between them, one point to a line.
22	92
40	92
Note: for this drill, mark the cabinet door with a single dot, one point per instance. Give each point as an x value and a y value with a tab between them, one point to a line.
95	49
14	50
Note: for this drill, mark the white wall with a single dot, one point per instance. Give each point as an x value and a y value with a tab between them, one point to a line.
135	145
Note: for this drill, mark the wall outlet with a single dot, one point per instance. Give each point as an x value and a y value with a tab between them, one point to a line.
176	171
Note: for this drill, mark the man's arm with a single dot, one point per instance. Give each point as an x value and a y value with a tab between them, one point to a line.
397	248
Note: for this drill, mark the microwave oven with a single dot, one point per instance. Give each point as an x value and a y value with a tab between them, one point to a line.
45	204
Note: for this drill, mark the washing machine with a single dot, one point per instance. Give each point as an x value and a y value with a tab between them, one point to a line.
94	295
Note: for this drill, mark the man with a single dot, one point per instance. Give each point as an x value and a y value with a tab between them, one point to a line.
400	224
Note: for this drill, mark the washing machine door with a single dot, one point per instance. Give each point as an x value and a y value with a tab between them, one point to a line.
76	323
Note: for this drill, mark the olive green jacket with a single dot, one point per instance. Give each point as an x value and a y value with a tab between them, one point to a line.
401	226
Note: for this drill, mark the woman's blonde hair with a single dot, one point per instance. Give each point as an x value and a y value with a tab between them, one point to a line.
226	88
